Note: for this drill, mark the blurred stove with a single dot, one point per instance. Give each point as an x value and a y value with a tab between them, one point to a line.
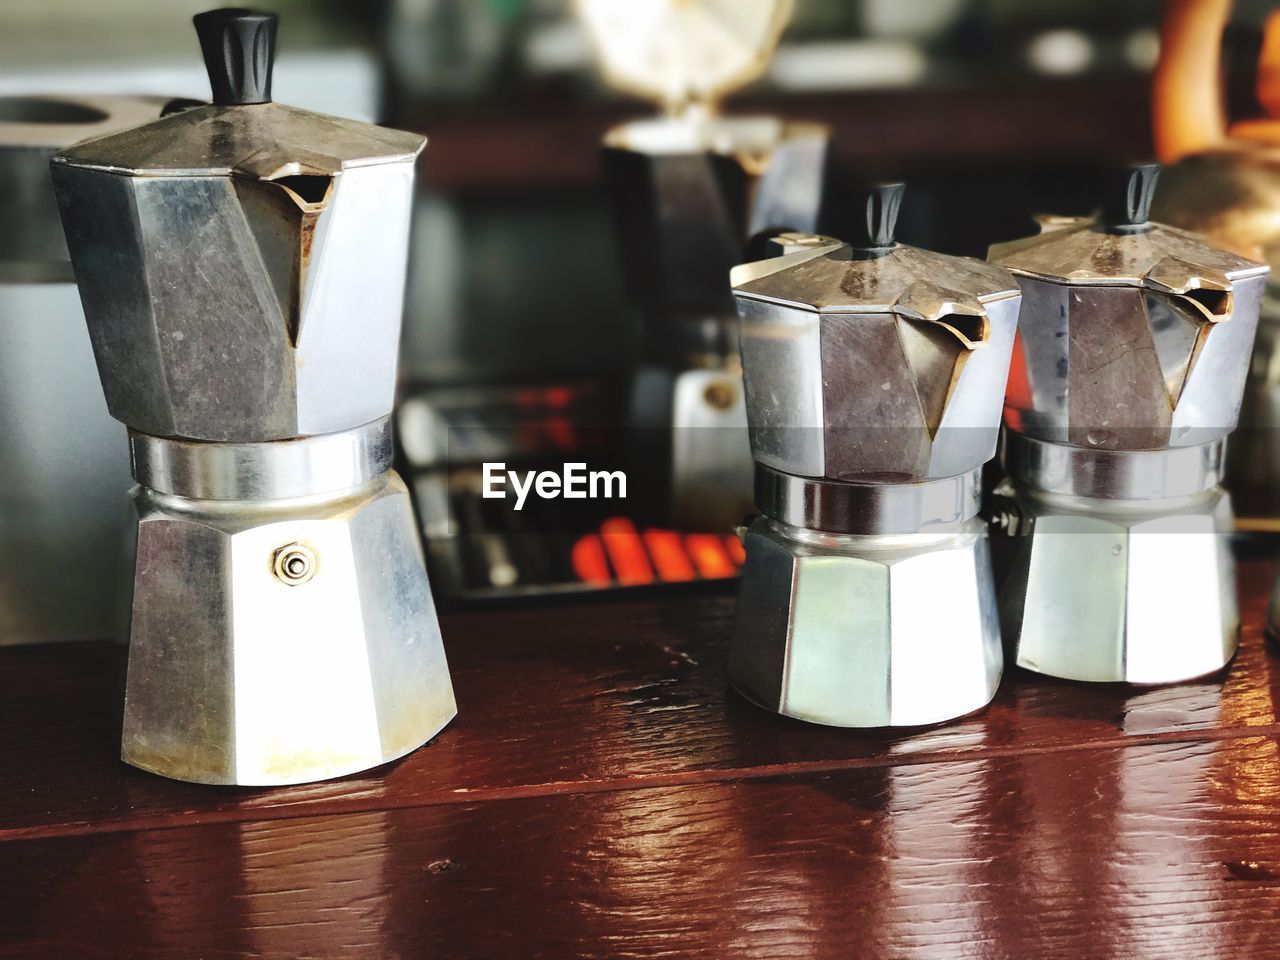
481	548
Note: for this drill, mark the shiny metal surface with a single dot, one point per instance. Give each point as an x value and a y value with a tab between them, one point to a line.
1113	474
261	141
885	380
306	467
829	277
868	508
874	379
242	273
1185	328
867	631
1134	347
1105	590
1164	258
290	324
236	677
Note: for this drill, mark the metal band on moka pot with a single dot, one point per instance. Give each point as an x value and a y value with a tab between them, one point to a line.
242	269
688	188
1134	346
874	378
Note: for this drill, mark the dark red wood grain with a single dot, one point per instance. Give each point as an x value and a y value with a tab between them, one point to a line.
1168	850
597	696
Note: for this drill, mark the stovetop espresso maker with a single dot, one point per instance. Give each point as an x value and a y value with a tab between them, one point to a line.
1133	349
242	267
874	377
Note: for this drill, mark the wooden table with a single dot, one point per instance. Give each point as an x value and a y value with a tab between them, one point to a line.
602	794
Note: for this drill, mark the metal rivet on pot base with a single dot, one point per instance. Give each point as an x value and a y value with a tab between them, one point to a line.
294	564
283	629
874	376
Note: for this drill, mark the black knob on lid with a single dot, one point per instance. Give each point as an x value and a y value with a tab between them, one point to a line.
1126	205
238	47
876	216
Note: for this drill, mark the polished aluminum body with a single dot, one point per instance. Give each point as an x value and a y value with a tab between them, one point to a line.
874	380
283	627
1134	346
1122	569
242	267
687	193
64	467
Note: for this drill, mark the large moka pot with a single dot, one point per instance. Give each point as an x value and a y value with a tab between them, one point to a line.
64	467
242	270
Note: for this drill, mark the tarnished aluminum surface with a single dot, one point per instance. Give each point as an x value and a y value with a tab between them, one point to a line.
1141	591
866	631
242	674
874	396
874	377
242	272
1162	258
260	141
907	281
1122	367
233	309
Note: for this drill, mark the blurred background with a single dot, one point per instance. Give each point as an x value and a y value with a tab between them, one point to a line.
992	110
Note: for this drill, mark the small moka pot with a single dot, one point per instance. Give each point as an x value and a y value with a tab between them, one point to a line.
874	377
1133	350
242	266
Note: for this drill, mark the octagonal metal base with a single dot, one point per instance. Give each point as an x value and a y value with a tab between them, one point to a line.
867	631
1120	590
239	676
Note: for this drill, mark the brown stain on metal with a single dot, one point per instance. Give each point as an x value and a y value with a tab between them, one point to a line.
214	768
